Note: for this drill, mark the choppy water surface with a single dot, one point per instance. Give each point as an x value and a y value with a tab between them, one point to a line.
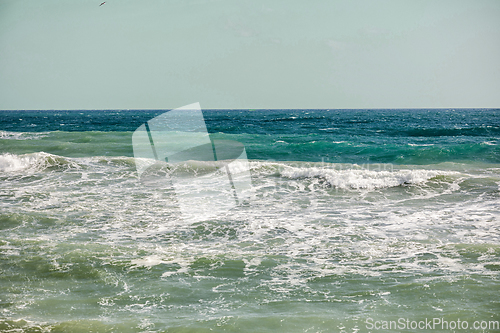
353	216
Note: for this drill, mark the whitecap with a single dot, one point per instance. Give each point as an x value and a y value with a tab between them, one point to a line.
7	135
363	179
33	162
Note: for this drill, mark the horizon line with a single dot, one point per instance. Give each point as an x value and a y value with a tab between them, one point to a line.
263	109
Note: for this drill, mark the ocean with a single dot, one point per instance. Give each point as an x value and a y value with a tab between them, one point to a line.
356	221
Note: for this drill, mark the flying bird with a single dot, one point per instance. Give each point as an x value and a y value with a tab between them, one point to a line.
102	3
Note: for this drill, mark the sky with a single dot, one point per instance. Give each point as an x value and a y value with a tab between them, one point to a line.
272	54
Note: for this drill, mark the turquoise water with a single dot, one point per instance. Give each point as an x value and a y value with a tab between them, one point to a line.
355	217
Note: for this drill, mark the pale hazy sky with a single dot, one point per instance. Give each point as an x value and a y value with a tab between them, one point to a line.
132	54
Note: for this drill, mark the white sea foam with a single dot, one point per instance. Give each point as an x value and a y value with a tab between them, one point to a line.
22	135
148	262
10	162
33	162
363	179
285	242
420	145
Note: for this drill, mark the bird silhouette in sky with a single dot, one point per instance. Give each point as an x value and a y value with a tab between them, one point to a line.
102	3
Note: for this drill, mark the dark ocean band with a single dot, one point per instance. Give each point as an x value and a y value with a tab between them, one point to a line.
332	136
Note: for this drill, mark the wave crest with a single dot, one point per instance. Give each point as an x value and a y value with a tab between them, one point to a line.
6	135
34	162
362	178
